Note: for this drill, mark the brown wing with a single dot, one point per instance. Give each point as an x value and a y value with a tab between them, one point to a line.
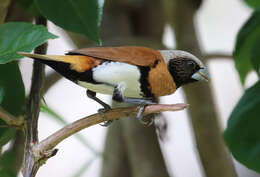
140	56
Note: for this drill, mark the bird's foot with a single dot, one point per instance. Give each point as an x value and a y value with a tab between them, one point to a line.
143	103
92	95
118	96
101	112
142	120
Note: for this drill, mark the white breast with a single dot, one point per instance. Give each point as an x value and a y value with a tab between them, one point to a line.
111	74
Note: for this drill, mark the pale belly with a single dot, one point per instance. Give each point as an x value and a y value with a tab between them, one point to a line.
111	74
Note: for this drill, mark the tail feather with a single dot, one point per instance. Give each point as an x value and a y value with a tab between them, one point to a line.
59	58
79	63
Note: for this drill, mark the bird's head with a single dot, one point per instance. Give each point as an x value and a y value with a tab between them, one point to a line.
184	67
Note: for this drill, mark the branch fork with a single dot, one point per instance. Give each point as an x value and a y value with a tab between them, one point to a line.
17	122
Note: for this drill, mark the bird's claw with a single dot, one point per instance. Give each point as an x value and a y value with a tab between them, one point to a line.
92	95
146	123
140	118
101	112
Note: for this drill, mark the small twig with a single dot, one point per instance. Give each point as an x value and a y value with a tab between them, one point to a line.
50	142
209	56
10	120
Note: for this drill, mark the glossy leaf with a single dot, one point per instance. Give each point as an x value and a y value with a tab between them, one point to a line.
79	16
20	36
242	134
62	121
246	41
13	96
253	3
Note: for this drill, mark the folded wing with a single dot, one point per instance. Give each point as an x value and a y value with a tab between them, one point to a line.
140	56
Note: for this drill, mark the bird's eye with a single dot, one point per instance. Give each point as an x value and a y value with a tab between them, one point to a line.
191	64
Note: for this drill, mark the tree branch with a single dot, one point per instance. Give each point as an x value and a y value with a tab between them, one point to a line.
30	164
50	142
217	55
10	119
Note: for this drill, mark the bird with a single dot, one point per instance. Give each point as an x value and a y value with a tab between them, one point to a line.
131	74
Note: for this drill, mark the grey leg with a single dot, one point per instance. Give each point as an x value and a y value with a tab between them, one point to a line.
92	95
118	96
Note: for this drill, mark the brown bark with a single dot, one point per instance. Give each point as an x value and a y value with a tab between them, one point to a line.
215	159
30	164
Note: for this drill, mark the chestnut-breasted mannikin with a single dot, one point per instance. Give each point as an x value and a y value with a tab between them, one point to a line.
130	73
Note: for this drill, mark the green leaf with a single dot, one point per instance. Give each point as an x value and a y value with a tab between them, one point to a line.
6	169
61	120
242	134
12	84
6	134
20	36
246	40
6	174
255	58
79	16
13	96
253	3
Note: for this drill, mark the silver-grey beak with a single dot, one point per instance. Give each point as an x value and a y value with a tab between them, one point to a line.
201	75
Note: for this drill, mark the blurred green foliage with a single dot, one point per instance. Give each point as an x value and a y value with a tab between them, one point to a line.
30	6
13	96
253	3
79	16
12	99
242	134
7	158
246	49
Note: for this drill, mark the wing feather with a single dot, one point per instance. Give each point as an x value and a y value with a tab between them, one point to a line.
140	56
